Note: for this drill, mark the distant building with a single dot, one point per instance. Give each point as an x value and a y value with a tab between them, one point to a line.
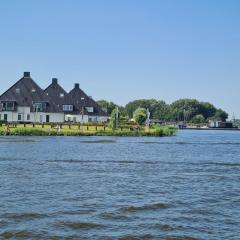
220	124
25	101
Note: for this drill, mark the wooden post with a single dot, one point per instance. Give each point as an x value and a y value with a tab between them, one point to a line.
79	126
87	127
42	125
96	128
24	125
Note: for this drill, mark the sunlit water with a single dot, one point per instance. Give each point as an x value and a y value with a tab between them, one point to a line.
181	187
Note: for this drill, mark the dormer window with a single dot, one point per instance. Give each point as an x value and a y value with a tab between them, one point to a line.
67	108
61	95
40	106
17	90
7	106
82	98
33	90
90	109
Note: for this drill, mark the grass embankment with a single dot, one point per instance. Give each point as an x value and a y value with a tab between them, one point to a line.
75	130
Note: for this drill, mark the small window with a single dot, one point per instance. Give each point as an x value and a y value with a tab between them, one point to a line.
90	109
19	117
33	90
61	95
68	108
82	98
28	117
18	90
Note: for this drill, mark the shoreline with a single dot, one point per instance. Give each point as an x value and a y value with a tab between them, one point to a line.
159	132
211	129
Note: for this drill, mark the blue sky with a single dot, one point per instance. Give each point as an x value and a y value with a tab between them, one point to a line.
128	49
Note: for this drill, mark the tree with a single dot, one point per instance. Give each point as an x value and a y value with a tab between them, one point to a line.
113	121
140	116
220	115
150	104
109	106
198	119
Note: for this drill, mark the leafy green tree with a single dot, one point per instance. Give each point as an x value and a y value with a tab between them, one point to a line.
109	106
113	119
198	119
140	116
150	104
220	115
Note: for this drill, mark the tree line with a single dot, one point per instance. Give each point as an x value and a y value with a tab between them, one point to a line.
189	110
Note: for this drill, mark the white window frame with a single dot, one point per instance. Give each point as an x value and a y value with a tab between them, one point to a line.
90	109
67	108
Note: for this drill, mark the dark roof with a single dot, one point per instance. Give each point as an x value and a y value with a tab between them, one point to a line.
57	94
25	92
81	100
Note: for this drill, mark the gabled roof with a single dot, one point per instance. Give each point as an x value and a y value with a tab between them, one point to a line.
57	94
81	100
26	91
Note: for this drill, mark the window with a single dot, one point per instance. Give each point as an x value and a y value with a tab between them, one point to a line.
33	90
67	108
8	106
19	117
28	117
61	95
17	90
82	98
90	109
5	117
40	107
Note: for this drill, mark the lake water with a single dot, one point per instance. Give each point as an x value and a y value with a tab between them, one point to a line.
181	187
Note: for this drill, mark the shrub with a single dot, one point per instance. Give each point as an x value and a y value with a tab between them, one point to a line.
140	116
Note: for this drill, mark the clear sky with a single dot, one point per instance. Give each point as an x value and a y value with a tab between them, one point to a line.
128	49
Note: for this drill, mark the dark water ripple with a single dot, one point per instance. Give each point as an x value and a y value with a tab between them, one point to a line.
183	187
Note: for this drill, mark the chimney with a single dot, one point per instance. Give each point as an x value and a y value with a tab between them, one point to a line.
76	86
54	81
26	74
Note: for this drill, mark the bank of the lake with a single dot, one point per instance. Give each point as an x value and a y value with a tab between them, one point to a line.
68	130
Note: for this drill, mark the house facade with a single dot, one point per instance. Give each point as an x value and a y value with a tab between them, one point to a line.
26	102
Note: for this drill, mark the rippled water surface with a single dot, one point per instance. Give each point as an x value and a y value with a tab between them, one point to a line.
181	187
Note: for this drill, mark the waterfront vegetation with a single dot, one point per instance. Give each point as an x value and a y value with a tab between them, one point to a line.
85	130
188	110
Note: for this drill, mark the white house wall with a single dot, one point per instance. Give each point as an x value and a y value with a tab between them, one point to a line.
85	118
77	118
39	117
